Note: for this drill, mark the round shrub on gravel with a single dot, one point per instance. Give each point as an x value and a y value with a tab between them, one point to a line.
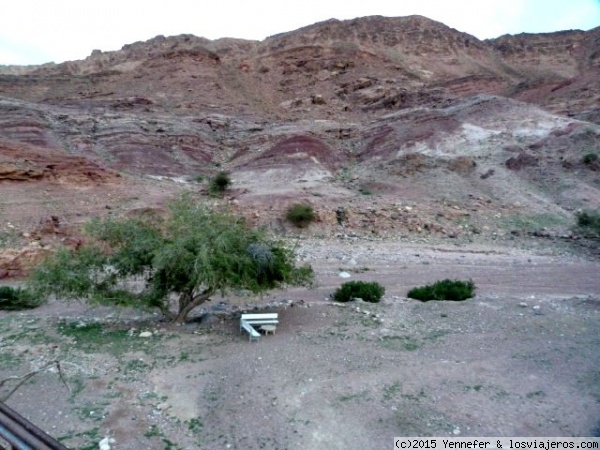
455	290
220	183
300	214
368	291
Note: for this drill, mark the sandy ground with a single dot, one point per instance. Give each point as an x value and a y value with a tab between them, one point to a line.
519	359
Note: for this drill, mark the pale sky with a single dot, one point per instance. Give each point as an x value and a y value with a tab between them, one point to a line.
39	31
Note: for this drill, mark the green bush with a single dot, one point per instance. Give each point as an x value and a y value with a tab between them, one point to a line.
14	299
455	290
368	291
589	222
590	158
220	183
300	214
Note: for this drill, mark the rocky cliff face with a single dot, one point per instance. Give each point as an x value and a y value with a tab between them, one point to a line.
345	114
387	59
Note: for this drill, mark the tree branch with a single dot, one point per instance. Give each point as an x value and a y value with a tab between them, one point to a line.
27	376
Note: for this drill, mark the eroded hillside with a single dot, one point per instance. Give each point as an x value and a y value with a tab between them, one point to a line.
387	126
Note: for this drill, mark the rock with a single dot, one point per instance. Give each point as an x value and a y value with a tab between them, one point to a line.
145	334
318	100
344	274
14	173
104	444
523	305
208	320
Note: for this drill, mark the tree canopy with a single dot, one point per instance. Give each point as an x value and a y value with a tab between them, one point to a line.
194	252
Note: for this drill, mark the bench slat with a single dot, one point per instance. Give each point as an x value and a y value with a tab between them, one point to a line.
262	322
247	317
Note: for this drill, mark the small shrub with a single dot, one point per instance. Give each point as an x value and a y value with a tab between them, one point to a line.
590	158
14	299
199	178
455	290
368	291
300	214
589	222
220	183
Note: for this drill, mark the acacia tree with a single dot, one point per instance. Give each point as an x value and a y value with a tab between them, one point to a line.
194	253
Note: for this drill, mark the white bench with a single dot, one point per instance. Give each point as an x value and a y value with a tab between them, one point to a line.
253	335
248	321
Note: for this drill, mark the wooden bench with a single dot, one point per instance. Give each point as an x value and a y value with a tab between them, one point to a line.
249	321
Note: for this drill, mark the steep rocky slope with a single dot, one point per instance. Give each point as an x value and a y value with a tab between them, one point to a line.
385	125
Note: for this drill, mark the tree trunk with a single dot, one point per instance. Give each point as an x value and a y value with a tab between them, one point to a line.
187	302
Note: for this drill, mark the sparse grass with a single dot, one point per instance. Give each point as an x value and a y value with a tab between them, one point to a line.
195	425
415	397
91	411
400	343
77	385
392	390
9	238
8	360
90	437
535	394
454	290
534	222
352	397
476	388
152	431
93	337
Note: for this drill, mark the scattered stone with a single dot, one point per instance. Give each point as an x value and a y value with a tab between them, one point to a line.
523	305
344	274
145	334
104	444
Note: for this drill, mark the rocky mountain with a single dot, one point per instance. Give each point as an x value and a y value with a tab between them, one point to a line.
373	116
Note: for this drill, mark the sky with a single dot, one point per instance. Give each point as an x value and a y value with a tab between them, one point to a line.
40	31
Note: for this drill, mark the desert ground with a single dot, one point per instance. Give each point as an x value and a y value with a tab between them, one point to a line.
519	359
